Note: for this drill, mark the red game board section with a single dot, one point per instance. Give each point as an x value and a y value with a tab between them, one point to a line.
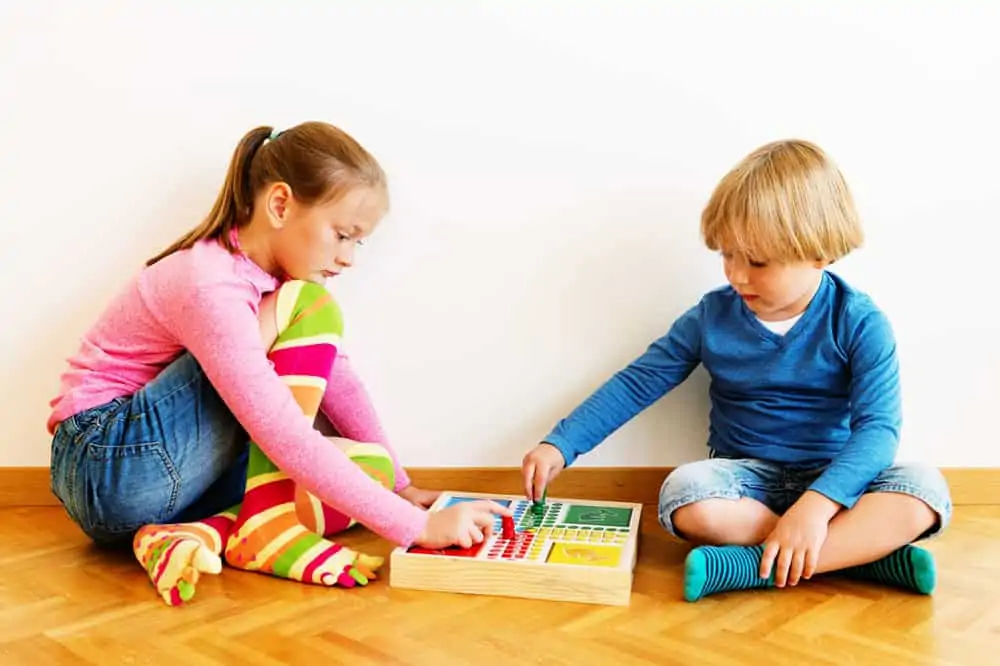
511	549
453	551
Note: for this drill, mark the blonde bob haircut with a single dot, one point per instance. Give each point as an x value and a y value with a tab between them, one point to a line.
785	202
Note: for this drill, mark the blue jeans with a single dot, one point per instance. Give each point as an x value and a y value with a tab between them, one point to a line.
170	452
778	488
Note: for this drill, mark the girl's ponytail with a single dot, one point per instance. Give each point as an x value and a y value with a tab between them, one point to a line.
317	160
234	203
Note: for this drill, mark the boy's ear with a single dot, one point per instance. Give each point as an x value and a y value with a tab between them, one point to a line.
278	200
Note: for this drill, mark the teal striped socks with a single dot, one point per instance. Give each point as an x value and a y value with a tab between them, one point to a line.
910	567
712	569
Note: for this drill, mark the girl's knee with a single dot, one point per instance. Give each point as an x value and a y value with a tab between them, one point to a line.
309	306
299	309
376	461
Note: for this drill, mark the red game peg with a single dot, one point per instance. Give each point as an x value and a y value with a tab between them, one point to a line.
507	522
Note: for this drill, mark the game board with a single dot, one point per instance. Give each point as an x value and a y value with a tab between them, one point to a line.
573	550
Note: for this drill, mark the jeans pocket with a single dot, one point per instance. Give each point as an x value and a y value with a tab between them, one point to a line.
128	486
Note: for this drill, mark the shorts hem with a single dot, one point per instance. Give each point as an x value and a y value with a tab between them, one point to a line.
664	512
940	506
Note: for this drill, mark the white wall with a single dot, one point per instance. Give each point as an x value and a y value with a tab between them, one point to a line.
548	168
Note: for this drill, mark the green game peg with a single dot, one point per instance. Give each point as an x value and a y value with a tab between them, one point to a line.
538	506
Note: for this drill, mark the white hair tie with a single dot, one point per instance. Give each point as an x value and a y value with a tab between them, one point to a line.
275	133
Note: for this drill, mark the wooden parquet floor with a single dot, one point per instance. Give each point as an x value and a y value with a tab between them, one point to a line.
64	602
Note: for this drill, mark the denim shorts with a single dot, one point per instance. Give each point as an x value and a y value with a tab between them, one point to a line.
778	487
170	452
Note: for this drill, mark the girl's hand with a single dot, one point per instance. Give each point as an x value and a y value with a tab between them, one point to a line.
462	524
540	465
793	546
418	496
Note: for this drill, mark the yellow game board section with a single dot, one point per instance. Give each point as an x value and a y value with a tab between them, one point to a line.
574	534
594	555
572	537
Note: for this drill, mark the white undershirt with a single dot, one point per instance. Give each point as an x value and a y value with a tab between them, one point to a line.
780	327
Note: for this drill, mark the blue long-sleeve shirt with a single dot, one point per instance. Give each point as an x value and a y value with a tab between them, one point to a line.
826	393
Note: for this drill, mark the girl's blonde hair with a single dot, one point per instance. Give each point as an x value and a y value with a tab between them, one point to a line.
784	202
318	161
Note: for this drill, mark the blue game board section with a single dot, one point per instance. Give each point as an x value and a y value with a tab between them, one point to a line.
459	500
519	508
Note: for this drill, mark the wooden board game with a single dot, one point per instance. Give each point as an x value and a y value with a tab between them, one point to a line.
562	550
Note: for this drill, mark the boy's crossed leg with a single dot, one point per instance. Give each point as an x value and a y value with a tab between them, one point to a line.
277	528
871	541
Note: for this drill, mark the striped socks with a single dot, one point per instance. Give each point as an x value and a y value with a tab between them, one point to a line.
712	569
278	527
375	461
175	556
268	535
911	568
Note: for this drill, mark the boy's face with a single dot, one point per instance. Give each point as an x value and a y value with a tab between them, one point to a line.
773	291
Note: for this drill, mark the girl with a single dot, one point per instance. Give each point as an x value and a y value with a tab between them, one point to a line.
229	336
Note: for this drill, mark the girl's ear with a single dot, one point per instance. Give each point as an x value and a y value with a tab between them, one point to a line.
278	200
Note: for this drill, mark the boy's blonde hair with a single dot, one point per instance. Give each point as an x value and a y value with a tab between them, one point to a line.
784	202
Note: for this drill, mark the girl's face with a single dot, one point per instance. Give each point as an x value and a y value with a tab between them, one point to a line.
317	242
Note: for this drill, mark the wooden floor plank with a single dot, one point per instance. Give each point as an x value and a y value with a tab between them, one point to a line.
63	601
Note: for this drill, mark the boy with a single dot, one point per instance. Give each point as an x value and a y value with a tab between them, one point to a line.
805	399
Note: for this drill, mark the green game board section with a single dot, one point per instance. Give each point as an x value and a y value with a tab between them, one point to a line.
531	519
598	516
576	516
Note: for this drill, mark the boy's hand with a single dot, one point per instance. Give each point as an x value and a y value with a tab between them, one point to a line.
540	465
797	540
462	524
418	496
